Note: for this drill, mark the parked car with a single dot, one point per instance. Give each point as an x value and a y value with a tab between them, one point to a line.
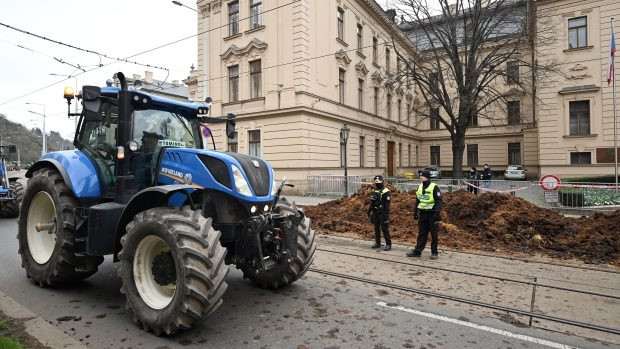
515	172
434	170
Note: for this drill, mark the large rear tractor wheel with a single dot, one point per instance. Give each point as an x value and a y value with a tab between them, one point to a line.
10	208
46	232
172	269
284	274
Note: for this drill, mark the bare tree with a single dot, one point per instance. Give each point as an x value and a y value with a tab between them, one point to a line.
462	70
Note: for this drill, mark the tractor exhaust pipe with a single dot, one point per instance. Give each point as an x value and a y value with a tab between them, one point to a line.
125	182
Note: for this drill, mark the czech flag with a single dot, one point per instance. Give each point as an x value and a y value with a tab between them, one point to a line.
610	65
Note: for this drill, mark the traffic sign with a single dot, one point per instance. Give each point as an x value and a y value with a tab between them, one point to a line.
550	182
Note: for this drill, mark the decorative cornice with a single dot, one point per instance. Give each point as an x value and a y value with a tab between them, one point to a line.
342	58
254	46
377	78
361	69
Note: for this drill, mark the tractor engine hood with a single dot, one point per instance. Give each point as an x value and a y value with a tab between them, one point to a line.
245	177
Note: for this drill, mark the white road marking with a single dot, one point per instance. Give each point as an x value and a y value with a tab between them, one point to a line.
479	327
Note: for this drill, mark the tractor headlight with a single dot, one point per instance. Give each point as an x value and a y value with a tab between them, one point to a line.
240	183
133	146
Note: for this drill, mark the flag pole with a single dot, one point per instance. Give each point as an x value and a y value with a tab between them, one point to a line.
613	89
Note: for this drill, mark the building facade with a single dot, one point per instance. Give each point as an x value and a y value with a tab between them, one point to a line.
576	114
294	72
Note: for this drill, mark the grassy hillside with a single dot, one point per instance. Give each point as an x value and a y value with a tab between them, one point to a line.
29	140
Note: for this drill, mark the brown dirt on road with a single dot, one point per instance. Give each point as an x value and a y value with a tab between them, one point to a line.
489	222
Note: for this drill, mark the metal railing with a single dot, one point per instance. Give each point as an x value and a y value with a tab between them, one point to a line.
569	196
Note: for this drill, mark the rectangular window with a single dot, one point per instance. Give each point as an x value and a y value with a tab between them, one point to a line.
409	155
400	155
233	143
472	154
407	111
233	83
387	60
360	37
512	72
435	155
472	121
233	18
514	112
256	84
578	32
376	101
514	153
340	24
434	118
433	81
360	94
397	64
581	158
377	153
389	106
399	105
256	13
579	115
341	85
254	142
375	49
362	152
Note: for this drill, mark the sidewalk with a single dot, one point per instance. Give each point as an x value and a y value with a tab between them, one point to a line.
35	326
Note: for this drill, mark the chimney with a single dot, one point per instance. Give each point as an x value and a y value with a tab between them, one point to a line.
136	77
391	13
148	77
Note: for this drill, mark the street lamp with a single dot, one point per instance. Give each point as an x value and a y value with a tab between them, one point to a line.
178	3
44	147
344	138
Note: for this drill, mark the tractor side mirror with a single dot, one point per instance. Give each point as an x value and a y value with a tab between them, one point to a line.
12	149
92	103
230	125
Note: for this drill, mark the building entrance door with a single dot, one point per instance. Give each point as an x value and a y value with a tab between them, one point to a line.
390	158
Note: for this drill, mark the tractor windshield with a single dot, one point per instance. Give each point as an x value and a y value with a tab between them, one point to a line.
153	129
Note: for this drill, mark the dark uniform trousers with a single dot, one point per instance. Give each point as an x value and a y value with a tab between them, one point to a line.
426	224
381	224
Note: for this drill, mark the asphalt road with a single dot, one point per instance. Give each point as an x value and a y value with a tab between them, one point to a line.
315	312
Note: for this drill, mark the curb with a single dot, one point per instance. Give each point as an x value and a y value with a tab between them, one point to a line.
47	334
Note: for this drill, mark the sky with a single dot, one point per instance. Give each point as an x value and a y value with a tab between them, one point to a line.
117	28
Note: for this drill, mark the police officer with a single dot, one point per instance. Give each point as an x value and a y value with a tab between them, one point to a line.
379	213
427	212
473	176
487	175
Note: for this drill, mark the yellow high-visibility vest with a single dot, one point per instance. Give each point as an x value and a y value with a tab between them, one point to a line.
426	200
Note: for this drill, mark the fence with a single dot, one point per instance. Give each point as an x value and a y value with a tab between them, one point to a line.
569	196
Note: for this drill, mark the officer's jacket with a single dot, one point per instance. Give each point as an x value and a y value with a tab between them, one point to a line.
428	198
380	201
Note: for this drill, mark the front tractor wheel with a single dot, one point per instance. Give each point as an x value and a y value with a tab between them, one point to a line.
172	269
46	232
287	273
10	208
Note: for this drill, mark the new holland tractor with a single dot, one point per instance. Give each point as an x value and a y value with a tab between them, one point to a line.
142	186
11	191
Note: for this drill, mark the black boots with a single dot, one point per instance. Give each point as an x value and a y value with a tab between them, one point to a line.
387	247
413	253
376	245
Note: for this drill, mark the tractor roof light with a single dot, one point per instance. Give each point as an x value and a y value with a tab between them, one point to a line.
133	146
69	94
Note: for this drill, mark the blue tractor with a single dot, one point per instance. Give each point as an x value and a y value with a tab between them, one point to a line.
11	191
142	186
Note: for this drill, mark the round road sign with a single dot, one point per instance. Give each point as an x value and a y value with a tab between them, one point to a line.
550	182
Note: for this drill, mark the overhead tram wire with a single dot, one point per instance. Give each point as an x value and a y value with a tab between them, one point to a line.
142	52
79	48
